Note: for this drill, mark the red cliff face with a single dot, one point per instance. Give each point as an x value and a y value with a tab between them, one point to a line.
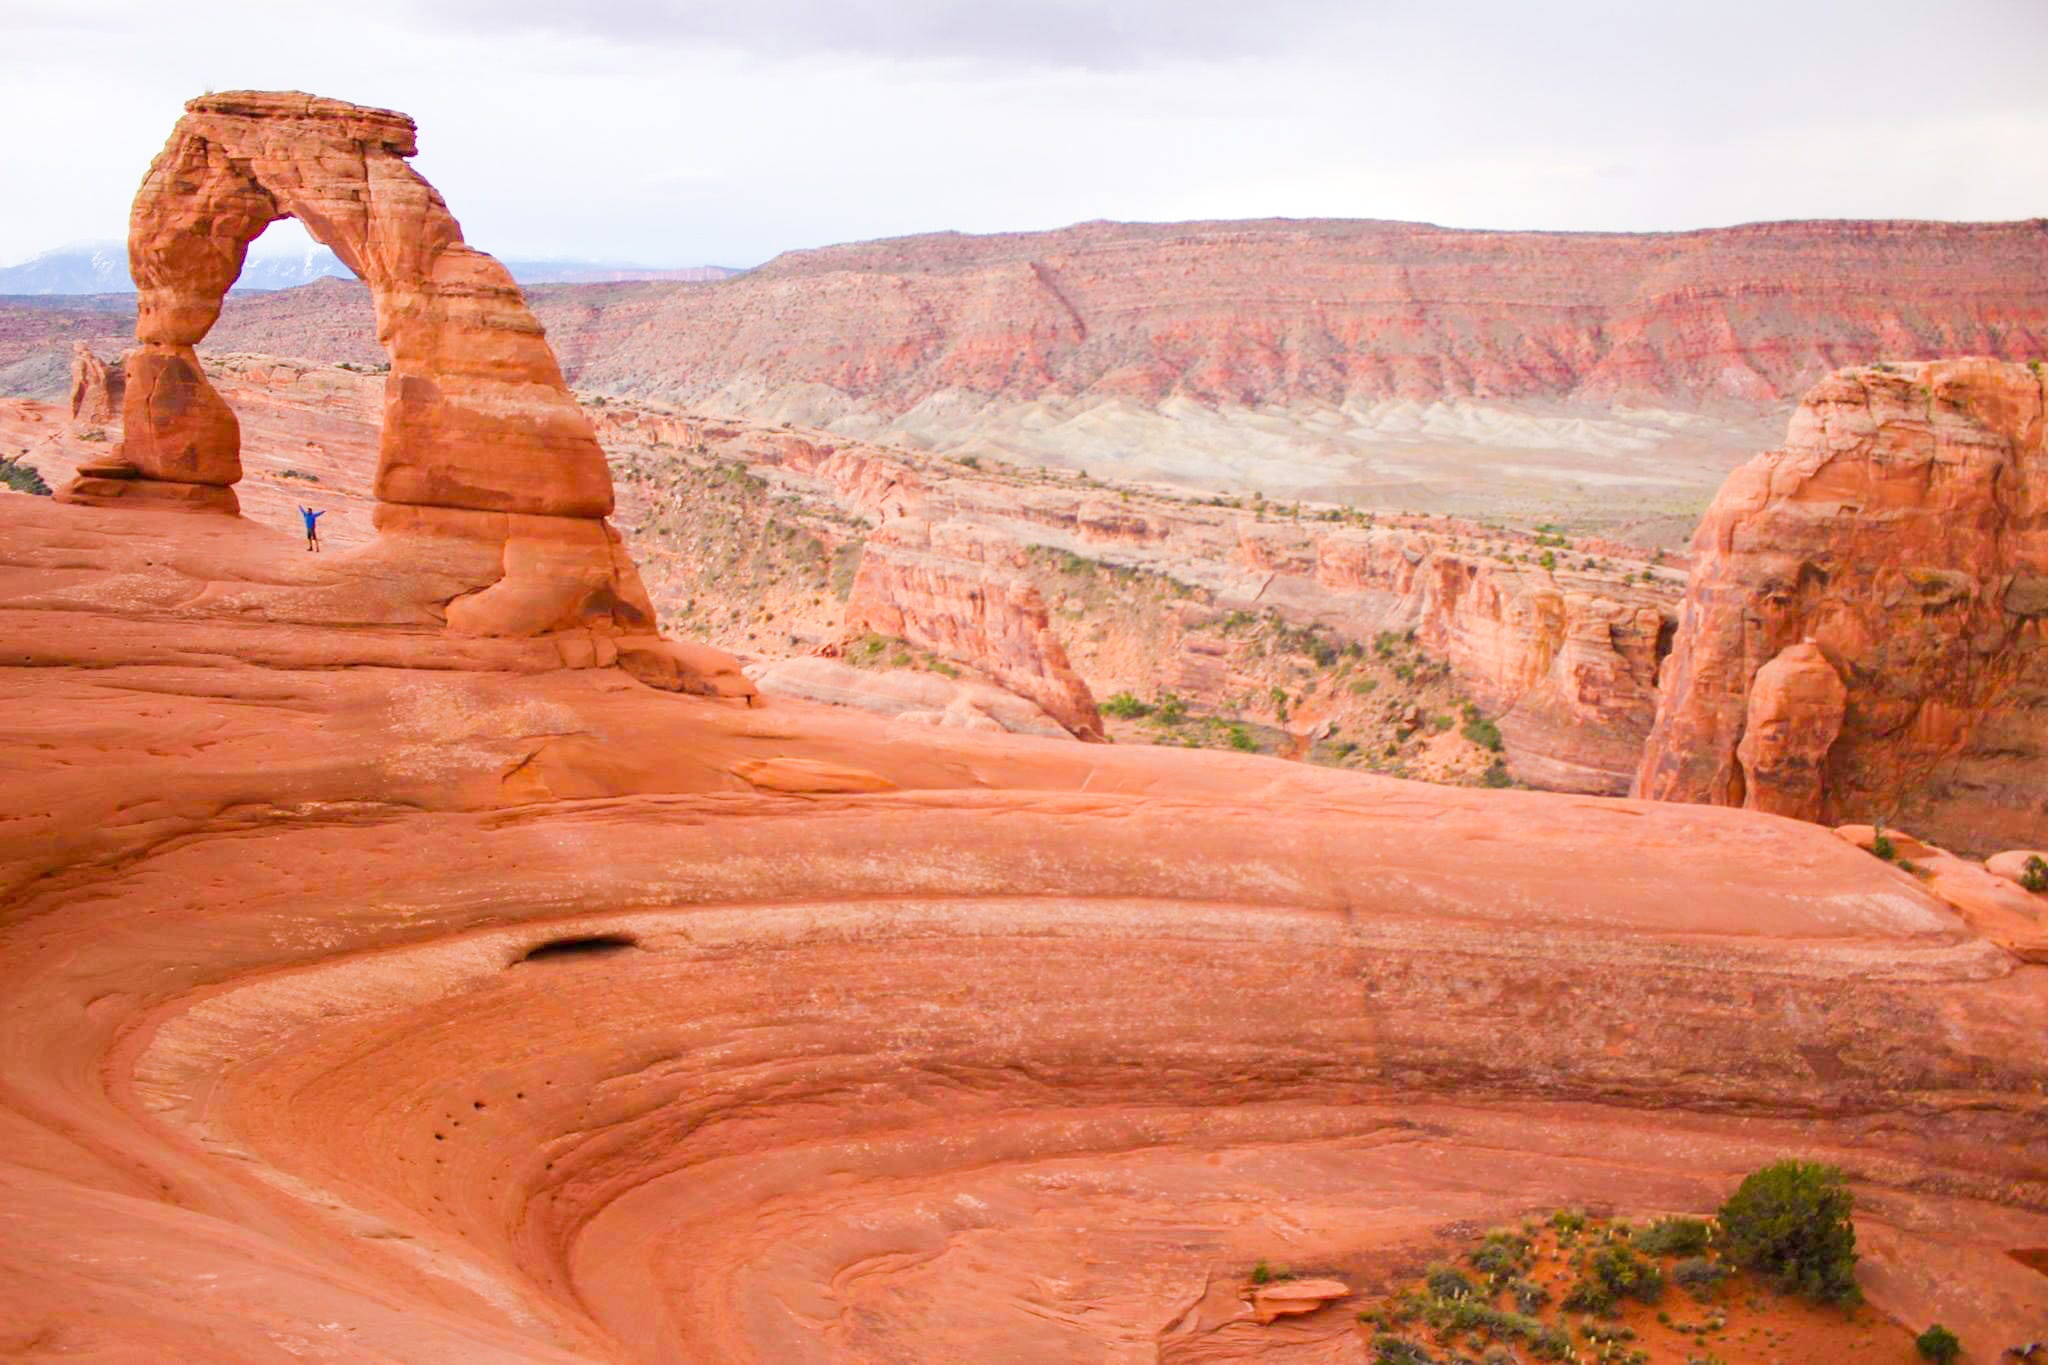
1904	528
1273	312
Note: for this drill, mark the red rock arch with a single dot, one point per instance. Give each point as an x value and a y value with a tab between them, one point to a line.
476	414
485	461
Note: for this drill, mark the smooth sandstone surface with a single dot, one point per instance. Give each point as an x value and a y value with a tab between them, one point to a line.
375	992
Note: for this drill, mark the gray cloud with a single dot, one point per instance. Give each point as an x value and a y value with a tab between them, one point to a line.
1095	35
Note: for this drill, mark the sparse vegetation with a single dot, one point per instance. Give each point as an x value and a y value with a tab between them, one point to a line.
2034	875
1265	1272
1575	1287
1938	1344
1124	706
1789	1222
22	478
1674	1237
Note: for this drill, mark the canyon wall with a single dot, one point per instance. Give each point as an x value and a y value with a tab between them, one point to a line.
1558	641
1602	380
1898	540
1277	311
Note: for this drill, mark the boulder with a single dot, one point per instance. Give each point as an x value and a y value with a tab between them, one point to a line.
1899	529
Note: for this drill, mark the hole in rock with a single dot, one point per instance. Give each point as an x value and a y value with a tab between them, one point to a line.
588	945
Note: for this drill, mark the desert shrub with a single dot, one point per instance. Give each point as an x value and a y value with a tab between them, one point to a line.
1698	1276
1482	732
22	478
1789	1222
1547	561
1265	1272
1172	710
1241	740
1528	1295
1674	1237
1938	1344
1365	687
1568	1220
1496	775
1388	1349
1589	1295
1126	707
1448	1283
1501	1254
1881	843
2034	876
1613	1273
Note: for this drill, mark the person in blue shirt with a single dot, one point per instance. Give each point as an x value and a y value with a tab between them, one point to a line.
312	529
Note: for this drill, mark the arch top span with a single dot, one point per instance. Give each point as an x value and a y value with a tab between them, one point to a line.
476	414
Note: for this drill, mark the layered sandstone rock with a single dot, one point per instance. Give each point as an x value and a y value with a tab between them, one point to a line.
1795	712
483	451
916	698
1903	528
1273	312
1564	655
380	994
475	412
96	388
946	587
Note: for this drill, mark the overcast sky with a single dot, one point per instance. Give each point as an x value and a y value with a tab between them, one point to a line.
724	131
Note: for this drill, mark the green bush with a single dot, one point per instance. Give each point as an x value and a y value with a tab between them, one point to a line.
1126	707
1789	1222
1613	1273
1938	1344
1393	1350
1482	732
1501	1254
1674	1237
1698	1276
22	478
1496	775
1881	843
1172	710
1448	1283
1528	1295
1241	740
2034	876
1266	1273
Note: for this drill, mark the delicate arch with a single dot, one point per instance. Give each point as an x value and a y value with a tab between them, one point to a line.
476	414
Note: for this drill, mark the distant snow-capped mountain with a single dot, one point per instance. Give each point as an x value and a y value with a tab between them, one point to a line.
102	268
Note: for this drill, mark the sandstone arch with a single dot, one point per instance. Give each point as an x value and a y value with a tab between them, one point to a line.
483	446
475	412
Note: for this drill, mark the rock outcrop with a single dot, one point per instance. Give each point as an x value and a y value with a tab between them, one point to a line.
482	444
1795	712
916	698
949	588
96	389
1903	528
